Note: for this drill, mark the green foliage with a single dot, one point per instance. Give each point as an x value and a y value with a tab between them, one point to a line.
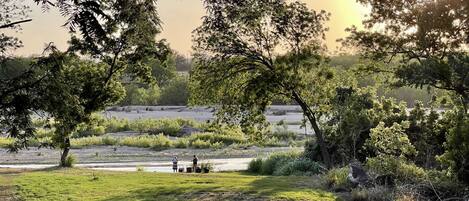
216	137
255	166
136	95
390	141
336	178
349	125
426	132
156	142
70	161
299	167
456	155
95	127
182	143
403	170
176	92
276	160
171	127
117	125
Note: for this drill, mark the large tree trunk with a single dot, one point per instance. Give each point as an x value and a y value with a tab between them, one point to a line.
312	119
65	152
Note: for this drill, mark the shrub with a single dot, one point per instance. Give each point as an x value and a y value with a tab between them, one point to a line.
108	140
255	165
86	141
336	178
117	125
70	161
277	160
181	143
403	171
147	141
282	133
299	167
391	141
207	165
5	142
200	144
216	138
171	127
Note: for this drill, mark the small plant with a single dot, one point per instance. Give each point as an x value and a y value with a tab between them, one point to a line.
140	168
336	178
70	161
207	167
94	177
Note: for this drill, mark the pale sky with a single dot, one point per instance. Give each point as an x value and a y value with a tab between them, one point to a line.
179	18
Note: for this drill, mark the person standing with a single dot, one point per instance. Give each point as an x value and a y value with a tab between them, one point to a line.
175	164
194	163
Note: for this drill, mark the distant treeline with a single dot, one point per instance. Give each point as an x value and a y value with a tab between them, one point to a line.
172	82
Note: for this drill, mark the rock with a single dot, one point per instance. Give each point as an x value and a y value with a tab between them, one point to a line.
357	175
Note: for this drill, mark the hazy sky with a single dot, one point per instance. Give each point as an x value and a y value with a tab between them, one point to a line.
180	17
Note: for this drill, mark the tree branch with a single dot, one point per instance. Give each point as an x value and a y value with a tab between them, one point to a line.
14	23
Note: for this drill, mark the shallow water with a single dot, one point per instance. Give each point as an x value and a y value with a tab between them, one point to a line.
231	164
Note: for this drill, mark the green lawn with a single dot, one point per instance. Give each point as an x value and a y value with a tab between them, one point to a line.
80	184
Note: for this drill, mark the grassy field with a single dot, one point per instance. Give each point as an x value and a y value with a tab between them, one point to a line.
81	184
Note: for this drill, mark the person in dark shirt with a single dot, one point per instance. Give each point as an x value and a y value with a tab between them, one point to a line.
175	164
194	163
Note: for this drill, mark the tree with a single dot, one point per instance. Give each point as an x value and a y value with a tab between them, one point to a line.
429	39
12	14
114	38
238	63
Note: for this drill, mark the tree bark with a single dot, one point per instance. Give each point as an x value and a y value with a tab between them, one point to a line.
312	119
65	152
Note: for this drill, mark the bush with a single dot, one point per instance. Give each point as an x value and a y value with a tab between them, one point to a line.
95	127
70	161
90	141
147	141
171	127
403	171
117	125
216	138
201	144
282	133
209	166
6	142
277	160
255	165
176	92
181	143
299	167
336	178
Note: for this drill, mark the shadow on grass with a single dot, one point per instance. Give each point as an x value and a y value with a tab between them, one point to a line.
263	188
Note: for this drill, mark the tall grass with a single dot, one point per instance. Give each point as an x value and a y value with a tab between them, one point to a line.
148	141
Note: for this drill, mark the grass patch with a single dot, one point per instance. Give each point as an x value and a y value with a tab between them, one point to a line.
79	184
